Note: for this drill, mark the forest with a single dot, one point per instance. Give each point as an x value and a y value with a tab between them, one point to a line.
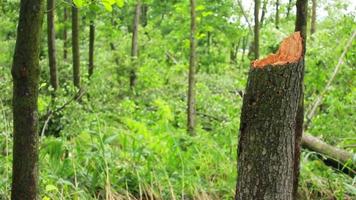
177	99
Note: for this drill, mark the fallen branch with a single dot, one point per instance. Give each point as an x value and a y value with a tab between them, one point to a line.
338	158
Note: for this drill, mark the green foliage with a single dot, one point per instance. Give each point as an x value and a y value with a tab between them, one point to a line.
133	144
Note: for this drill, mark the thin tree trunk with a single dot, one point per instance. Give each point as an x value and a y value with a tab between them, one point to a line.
244	46
51	39
91	48
301	26
277	14
134	46
65	17
75	46
313	18
144	16
191	118
267	134
257	30
289	7
264	11
25	73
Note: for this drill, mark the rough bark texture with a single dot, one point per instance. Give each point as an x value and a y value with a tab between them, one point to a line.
51	40
277	14
313	18
301	26
75	47
91	48
25	73
134	45
192	68
267	133
257	30
65	17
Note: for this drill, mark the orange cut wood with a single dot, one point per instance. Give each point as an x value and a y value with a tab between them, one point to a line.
290	51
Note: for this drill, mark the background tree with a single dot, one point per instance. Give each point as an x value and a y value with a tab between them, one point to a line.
191	118
51	39
257	30
134	44
25	73
91	47
65	17
313	18
277	14
75	46
300	26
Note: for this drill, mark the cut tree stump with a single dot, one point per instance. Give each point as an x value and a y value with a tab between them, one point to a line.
268	120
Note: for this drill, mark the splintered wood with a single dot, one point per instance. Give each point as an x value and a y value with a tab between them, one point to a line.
290	51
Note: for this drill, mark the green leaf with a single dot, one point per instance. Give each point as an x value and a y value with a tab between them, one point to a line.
78	3
120	3
51	188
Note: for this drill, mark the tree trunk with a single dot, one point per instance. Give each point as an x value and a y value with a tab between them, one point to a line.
313	18
267	129
301	26
91	48
264	11
244	46
25	73
257	30
277	14
191	118
51	39
144	17
289	6
65	17
75	46
134	46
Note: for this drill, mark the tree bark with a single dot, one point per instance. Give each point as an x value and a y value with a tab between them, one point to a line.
25	73
257	30
191	118
65	17
51	40
277	14
301	26
91	48
134	46
313	18
75	46
267	133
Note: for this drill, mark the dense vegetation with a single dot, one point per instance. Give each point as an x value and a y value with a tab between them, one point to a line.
108	140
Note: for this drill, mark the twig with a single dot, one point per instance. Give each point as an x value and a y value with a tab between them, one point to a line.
50	113
245	16
319	99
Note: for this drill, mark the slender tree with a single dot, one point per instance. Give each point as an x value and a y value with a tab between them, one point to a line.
91	48
144	15
75	46
25	73
134	45
277	14
268	117
65	17
257	30
301	26
192	68
264	11
51	40
289	7
313	18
